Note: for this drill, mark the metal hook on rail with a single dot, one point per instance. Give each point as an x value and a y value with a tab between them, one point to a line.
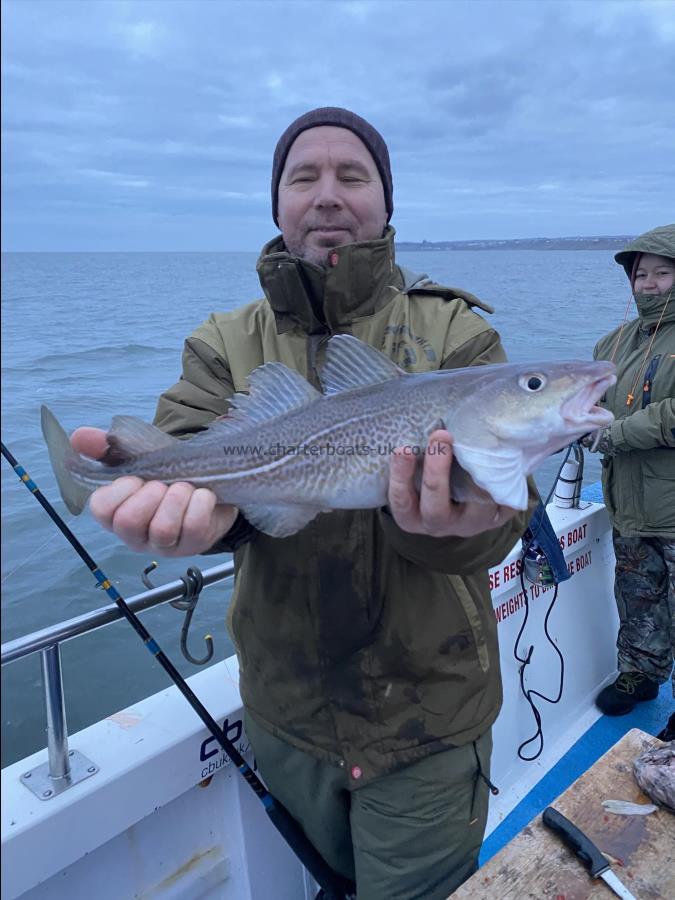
145	576
194	582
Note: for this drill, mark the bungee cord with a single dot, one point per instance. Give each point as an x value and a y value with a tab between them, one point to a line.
524	661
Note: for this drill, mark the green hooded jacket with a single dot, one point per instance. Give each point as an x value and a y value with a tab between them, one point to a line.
359	643
638	475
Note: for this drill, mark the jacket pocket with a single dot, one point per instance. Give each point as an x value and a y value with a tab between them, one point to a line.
658	490
472	614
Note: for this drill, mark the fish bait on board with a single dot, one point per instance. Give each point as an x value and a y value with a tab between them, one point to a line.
627	808
286	452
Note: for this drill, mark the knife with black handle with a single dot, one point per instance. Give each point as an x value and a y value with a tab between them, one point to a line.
576	840
585	850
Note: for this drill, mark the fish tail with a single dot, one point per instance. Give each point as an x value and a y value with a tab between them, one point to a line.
74	495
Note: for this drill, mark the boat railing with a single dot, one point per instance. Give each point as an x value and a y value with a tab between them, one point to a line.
65	767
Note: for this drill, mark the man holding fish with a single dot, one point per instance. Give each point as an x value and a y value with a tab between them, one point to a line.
366	637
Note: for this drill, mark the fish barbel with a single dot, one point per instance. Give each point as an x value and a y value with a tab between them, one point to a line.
286	452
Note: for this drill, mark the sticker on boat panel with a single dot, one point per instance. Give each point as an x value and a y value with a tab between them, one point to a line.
211	753
210	746
517	601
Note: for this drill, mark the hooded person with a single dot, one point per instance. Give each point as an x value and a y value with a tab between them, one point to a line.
367	642
638	473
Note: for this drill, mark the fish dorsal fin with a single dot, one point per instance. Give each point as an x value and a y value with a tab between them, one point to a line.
351	364
274	390
129	436
498	471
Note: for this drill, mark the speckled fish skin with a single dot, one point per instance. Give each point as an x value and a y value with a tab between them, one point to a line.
287	447
654	772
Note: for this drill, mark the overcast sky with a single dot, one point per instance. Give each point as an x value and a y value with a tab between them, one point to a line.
150	124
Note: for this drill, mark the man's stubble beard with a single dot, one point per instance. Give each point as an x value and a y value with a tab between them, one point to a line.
317	256
313	257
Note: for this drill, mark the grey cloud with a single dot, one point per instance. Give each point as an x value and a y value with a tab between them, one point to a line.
501	117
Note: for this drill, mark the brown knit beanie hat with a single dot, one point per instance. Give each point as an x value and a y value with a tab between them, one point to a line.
342	118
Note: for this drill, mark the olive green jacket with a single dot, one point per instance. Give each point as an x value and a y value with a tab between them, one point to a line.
638	475
359	643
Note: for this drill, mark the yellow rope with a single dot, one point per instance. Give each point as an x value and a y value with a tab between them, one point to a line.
631	394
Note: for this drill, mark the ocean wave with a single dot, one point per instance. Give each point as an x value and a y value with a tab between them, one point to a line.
128	351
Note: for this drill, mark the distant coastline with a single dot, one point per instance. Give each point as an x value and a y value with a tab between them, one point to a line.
543	243
603	242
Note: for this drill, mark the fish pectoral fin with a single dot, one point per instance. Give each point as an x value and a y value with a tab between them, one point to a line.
129	436
280	520
463	488
351	364
499	471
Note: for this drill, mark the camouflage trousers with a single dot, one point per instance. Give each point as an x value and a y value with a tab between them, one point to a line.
644	587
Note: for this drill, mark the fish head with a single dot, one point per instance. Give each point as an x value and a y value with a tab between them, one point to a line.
545	406
508	418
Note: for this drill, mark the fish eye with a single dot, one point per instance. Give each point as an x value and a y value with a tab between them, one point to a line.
532	383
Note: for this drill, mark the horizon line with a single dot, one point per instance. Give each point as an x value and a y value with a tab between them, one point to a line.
593	237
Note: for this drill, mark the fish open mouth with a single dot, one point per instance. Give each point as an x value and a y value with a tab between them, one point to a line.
581	410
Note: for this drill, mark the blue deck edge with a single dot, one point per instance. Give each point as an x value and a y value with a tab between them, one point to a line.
650	717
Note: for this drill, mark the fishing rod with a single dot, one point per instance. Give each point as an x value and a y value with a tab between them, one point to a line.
334	886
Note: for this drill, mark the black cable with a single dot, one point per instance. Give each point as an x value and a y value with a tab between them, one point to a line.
526	660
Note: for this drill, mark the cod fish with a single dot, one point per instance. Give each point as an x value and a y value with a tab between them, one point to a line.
654	771
286	452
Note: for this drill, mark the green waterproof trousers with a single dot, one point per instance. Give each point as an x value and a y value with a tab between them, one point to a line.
414	834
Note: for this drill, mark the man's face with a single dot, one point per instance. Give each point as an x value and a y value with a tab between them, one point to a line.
330	193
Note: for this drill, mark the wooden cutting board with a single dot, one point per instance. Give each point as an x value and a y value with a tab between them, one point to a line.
536	865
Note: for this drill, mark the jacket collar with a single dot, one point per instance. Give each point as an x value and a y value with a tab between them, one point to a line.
358	280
